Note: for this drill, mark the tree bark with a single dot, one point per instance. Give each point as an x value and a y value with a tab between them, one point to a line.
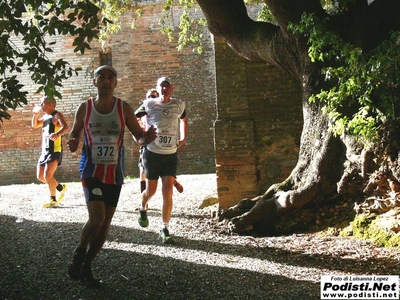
328	166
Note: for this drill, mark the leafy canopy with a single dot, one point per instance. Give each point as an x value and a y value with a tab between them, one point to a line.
190	29
37	24
367	83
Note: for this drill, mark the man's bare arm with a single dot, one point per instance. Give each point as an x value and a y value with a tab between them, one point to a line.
77	128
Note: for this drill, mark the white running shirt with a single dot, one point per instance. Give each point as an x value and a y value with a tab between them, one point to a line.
165	119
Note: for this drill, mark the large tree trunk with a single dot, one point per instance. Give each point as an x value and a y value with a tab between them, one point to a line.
319	168
331	169
328	167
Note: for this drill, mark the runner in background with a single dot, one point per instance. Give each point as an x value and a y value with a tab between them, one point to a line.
168	116
53	126
151	94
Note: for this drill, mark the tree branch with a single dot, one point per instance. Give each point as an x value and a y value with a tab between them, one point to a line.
229	20
290	11
256	41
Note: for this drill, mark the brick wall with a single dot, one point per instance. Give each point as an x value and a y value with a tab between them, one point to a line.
140	57
258	126
245	118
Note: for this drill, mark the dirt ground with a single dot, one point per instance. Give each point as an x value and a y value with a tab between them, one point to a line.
36	246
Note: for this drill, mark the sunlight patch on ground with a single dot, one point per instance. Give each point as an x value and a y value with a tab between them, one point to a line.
218	260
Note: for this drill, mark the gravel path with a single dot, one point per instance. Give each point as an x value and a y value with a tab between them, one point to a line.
36	245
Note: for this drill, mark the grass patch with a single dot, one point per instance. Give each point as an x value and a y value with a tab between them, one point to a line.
369	228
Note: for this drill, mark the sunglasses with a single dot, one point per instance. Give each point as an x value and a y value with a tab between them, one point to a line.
152	96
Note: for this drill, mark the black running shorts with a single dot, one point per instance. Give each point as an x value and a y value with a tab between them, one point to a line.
159	165
95	190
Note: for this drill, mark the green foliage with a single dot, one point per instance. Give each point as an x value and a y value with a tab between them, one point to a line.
190	29
394	241
36	24
369	228
364	82
112	10
336	6
265	15
360	226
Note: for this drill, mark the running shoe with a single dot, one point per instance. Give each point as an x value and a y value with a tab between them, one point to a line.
62	192
51	203
143	221
88	277
75	268
178	186
165	237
